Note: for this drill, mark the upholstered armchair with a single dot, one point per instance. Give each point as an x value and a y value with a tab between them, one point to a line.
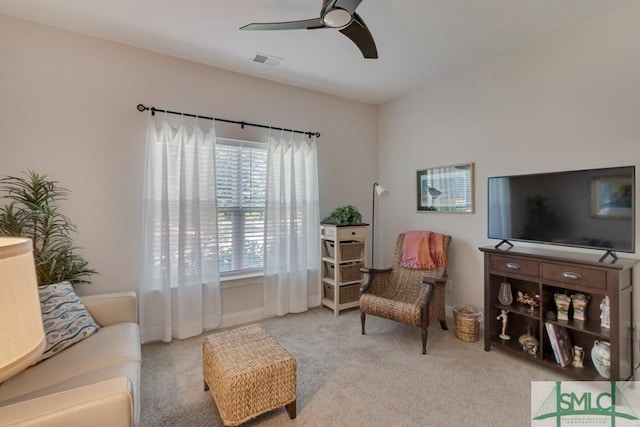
412	296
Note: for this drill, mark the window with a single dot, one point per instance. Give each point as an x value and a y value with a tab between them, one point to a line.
241	185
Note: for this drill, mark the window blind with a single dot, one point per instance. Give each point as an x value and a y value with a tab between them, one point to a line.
241	183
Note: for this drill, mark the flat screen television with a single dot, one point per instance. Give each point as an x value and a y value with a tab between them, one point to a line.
592	208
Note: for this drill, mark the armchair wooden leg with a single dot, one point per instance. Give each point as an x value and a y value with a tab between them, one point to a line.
291	409
362	320
424	340
443	324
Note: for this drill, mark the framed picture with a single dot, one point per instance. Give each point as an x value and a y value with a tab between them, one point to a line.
612	197
445	189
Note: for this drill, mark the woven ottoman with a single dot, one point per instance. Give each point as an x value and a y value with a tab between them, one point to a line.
248	373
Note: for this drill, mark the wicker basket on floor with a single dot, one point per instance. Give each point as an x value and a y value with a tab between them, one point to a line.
467	323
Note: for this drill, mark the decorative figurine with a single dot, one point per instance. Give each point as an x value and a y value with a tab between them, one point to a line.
505	296
578	357
532	301
579	302
503	317
530	347
562	304
529	342
605	306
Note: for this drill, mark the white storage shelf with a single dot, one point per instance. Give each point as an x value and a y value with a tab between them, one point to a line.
343	250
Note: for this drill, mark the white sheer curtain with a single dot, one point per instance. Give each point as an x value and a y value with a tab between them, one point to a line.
180	285
292	239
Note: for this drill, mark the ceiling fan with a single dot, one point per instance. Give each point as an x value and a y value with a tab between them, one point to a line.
334	14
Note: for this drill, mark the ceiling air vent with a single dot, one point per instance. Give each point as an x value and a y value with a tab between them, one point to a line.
263	58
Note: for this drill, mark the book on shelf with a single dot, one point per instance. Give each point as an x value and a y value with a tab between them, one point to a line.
552	339
564	343
560	342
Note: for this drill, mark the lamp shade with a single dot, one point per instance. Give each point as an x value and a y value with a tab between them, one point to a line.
381	191
21	332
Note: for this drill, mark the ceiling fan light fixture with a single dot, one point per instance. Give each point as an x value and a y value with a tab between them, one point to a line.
335	14
337	18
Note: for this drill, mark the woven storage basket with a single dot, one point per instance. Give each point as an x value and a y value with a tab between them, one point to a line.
348	273
466	319
348	250
348	293
351	272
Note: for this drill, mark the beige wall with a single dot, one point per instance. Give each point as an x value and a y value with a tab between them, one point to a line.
67	110
571	101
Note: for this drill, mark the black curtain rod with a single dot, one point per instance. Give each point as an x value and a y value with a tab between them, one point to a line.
142	107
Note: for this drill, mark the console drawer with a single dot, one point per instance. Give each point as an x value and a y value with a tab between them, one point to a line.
515	265
342	233
574	275
351	233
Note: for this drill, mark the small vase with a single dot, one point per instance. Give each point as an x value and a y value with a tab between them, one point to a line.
579	302
601	358
562	304
505	296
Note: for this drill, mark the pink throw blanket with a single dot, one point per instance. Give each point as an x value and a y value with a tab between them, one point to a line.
423	250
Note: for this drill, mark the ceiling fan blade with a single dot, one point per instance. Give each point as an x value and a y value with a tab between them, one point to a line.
358	32
348	5
306	24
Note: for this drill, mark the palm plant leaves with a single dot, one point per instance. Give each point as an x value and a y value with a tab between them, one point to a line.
32	212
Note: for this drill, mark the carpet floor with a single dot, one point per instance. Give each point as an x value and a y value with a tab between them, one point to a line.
349	379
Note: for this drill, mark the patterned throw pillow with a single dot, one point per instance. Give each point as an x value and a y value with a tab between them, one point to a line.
65	318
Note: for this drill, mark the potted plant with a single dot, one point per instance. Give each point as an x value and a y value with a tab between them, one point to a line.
344	215
32	213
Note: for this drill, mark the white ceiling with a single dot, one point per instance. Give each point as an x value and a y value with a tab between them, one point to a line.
418	40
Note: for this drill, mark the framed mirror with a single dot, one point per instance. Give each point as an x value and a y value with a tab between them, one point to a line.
445	189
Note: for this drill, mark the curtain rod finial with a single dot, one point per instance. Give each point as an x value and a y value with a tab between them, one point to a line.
142	107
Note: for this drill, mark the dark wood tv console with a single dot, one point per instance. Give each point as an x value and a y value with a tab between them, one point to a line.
548	272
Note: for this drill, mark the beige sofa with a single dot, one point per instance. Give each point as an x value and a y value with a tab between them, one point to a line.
95	382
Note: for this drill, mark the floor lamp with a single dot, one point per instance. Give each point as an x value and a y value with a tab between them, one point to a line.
381	192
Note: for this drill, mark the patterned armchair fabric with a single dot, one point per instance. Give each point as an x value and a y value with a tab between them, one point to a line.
411	296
